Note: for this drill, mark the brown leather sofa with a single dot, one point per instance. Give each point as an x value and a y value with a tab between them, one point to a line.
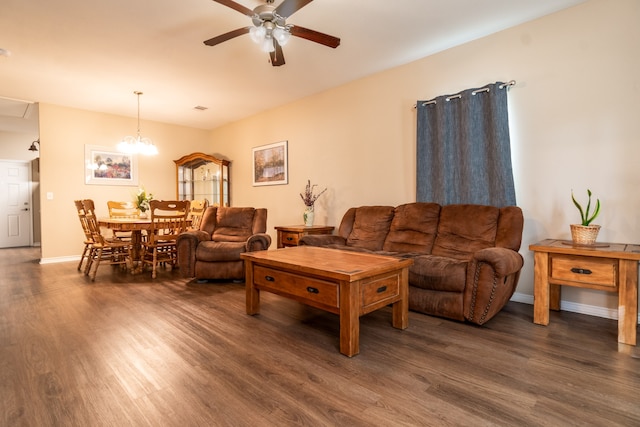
466	260
213	251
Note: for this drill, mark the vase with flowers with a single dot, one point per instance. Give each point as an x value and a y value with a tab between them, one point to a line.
141	201
309	200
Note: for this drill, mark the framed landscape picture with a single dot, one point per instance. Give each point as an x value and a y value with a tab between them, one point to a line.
270	165
106	166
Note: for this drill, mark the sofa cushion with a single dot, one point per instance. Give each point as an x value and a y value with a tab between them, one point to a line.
465	229
233	224
219	251
370	227
438	273
413	228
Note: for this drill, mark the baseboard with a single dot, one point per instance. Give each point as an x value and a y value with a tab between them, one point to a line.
590	310
55	260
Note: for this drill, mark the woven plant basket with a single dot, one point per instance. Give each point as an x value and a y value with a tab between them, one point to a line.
584	234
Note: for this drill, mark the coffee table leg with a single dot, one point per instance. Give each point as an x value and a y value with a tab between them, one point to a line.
253	294
400	314
349	318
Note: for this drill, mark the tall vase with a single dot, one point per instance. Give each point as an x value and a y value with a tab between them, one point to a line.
308	216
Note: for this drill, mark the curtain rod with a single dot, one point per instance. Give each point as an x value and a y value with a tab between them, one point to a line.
457	95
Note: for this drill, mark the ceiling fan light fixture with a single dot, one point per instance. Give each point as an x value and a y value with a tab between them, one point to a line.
267	45
258	34
282	35
270	30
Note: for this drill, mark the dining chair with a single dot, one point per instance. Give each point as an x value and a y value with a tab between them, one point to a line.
104	250
168	220
122	210
196	210
88	239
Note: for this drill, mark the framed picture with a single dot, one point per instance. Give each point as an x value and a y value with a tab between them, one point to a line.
106	166
270	164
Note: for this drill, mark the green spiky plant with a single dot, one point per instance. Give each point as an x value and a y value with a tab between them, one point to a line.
584	214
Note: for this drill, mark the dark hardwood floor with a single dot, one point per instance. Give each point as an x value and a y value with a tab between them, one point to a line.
132	351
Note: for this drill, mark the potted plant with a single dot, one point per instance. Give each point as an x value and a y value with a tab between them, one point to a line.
585	233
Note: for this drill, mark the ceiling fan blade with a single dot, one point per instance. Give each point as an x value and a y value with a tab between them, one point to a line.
289	7
235	6
315	36
277	57
226	36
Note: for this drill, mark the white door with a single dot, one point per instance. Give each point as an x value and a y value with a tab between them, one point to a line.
15	205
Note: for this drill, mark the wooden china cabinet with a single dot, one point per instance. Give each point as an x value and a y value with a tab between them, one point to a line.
201	176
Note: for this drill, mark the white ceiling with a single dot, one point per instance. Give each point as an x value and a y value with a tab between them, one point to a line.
93	54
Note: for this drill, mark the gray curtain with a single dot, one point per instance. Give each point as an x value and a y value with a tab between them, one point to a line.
463	148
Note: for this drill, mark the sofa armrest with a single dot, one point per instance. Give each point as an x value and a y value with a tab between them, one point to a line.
492	277
504	261
187	243
258	242
322	240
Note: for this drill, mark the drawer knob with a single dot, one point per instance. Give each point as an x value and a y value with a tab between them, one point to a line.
289	238
580	271
269	279
312	290
381	289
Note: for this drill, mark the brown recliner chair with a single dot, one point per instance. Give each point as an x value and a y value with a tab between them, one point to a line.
213	251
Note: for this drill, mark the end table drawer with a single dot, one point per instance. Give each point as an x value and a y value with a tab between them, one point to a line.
289	238
595	271
309	289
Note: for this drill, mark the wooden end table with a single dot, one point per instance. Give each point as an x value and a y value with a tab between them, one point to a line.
290	235
611	267
346	283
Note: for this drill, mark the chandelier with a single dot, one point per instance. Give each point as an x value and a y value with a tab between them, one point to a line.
137	144
267	26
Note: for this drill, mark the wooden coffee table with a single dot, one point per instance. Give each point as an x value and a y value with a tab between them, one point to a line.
346	283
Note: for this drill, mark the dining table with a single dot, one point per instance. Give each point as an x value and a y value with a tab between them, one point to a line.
135	225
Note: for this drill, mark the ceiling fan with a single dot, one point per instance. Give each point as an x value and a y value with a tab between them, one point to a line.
270	29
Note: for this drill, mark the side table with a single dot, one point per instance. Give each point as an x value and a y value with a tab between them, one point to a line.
611	267
290	235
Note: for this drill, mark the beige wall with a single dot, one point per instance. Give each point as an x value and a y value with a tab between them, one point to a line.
64	133
15	145
574	122
17	134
